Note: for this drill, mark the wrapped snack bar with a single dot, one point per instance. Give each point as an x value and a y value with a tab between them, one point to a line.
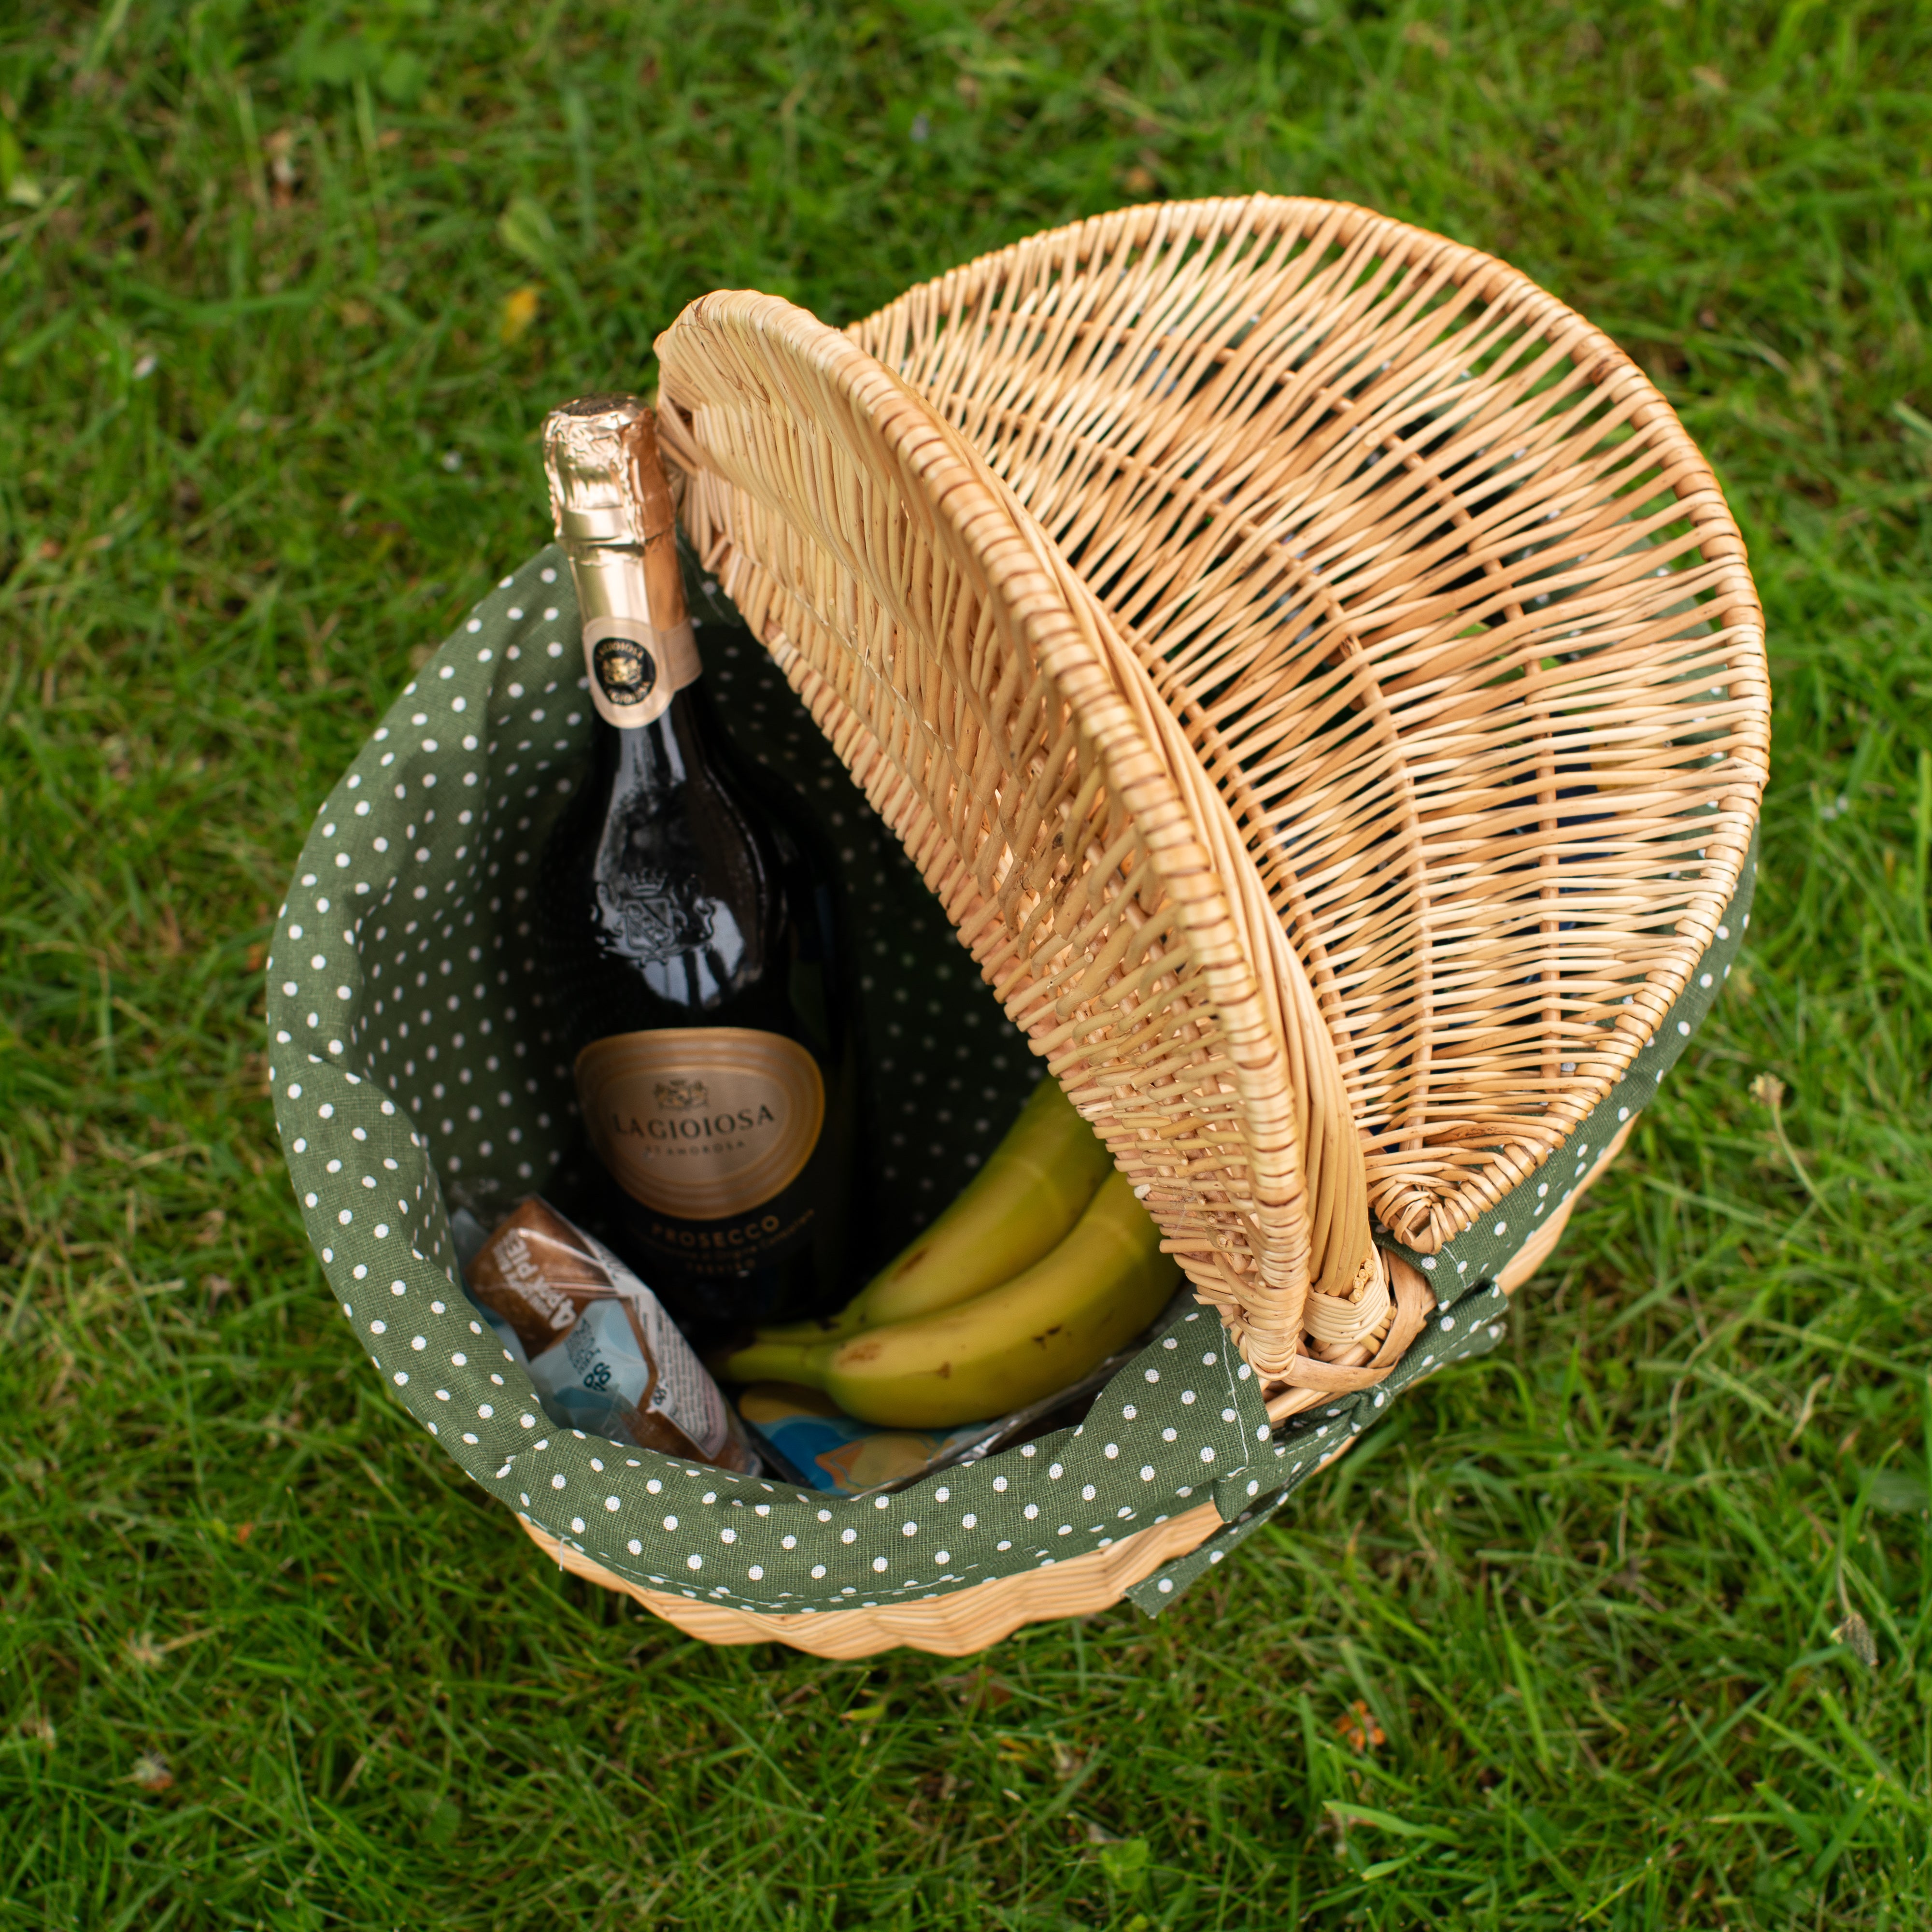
603	1355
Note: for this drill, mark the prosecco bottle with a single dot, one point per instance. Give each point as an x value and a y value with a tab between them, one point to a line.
688	930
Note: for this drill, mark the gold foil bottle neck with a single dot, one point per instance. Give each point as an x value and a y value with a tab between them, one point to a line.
616	518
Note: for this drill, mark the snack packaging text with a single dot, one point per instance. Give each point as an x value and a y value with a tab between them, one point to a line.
603	1355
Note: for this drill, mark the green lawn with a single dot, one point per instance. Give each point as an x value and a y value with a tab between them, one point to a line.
1574	1642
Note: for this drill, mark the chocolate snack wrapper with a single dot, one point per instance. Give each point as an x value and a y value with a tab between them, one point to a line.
603	1355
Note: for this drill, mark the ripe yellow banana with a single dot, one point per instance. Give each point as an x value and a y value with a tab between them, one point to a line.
1032	1189
1006	1347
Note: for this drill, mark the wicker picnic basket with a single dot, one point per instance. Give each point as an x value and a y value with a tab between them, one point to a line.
1320	681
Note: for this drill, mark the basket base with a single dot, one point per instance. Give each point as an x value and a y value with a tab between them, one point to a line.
951	1626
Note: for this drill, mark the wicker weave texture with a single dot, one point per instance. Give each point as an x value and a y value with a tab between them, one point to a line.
1313	668
1447	602
976	691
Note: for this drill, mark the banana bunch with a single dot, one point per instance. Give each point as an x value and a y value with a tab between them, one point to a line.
1043	1266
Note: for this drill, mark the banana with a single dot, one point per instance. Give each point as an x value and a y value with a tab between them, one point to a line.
1032	1189
1005	1348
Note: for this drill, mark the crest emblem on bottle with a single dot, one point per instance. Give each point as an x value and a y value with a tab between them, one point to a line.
625	670
676	1095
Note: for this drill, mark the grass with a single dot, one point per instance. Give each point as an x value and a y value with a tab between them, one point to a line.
1573	1642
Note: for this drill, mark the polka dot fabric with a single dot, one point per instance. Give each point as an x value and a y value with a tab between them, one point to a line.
414	1069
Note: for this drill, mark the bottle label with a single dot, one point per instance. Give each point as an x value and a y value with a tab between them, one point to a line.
701	1123
635	671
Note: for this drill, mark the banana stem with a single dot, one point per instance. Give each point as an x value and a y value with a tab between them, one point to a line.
768	1360
833	1328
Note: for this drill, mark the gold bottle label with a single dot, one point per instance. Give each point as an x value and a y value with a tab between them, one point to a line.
701	1122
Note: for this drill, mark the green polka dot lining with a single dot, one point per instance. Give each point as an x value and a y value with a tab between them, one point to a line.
414	1069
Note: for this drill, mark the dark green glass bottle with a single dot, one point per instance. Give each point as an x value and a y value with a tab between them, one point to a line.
689	935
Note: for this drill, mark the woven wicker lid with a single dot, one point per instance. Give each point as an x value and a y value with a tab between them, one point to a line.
1403	637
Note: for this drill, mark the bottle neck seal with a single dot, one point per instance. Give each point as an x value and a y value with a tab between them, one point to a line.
637	670
615	517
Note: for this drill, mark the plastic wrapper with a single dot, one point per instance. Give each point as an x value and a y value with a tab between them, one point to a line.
602	1353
